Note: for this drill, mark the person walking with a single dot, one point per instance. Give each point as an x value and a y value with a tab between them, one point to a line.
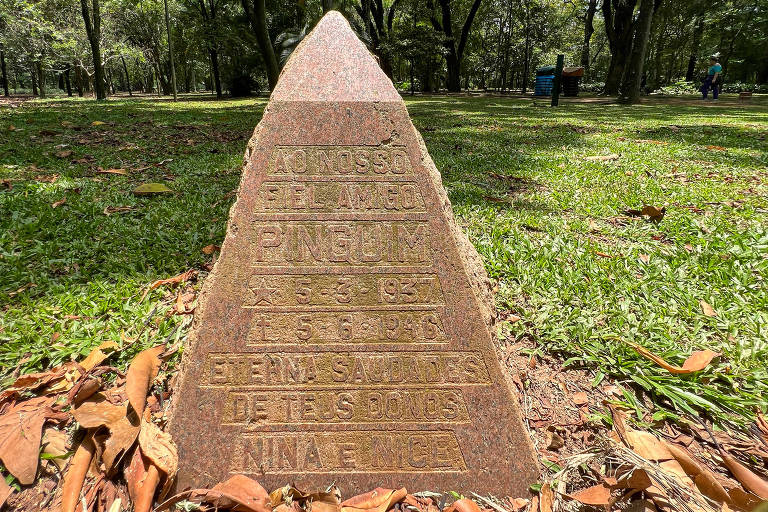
712	81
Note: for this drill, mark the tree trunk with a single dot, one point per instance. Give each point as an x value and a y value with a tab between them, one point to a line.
215	71
589	29
698	31
257	15
5	73
67	81
630	88
619	21
40	78
79	81
454	53
93	31
127	76
33	74
453	83
170	49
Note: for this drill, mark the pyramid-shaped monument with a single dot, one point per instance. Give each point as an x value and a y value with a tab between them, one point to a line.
344	334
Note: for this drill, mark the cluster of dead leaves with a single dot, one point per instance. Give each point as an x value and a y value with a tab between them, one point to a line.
654	474
116	431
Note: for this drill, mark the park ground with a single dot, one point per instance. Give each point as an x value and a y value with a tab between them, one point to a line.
550	197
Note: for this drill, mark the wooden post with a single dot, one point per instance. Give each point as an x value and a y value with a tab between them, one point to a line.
558	80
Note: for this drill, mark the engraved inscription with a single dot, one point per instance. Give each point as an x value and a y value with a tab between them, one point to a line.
339	452
357	242
332	196
347	327
339	160
266	370
351	291
261	408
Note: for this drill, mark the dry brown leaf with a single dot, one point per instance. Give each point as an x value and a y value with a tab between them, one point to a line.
597	495
122	172
716	148
145	496
136	473
160	449
519	503
58	203
55	444
141	373
210	249
75	476
97	411
750	481
239	494
704	479
184	276
580	398
21	428
696	362
377	500
463	505
32	381
644	258
97	355
743	500
707	309
83	390
648	446
5	491
65	153
546	498
122	435
603	254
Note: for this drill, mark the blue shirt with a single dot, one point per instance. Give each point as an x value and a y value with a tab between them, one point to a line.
717	68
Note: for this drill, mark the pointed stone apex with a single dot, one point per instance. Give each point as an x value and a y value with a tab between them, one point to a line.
332	64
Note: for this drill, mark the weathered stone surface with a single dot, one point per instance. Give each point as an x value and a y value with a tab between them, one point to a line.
344	334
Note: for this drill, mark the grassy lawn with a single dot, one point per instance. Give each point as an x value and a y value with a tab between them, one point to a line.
584	277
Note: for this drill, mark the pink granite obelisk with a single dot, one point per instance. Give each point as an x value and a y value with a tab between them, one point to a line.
344	334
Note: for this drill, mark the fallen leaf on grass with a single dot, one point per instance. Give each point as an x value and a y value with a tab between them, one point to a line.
59	202
603	254
239	493
98	123
122	172
377	500
644	258
65	153
97	355
21	429
210	249
75	475
696	362
142	478
654	214
117	209
184	276
32	381
707	309
148	189
716	148
184	303
141	373
160	449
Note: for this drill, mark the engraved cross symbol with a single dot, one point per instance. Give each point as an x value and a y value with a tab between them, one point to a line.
263	293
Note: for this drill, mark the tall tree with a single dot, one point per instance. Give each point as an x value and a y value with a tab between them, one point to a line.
378	21
454	53
619	20
92	19
4	70
209	10
630	86
170	48
257	17
589	29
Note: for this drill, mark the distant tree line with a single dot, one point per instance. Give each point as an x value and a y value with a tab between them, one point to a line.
237	47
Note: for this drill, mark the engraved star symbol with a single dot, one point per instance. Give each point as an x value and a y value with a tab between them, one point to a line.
263	293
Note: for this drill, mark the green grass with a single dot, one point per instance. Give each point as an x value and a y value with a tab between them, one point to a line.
537	211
